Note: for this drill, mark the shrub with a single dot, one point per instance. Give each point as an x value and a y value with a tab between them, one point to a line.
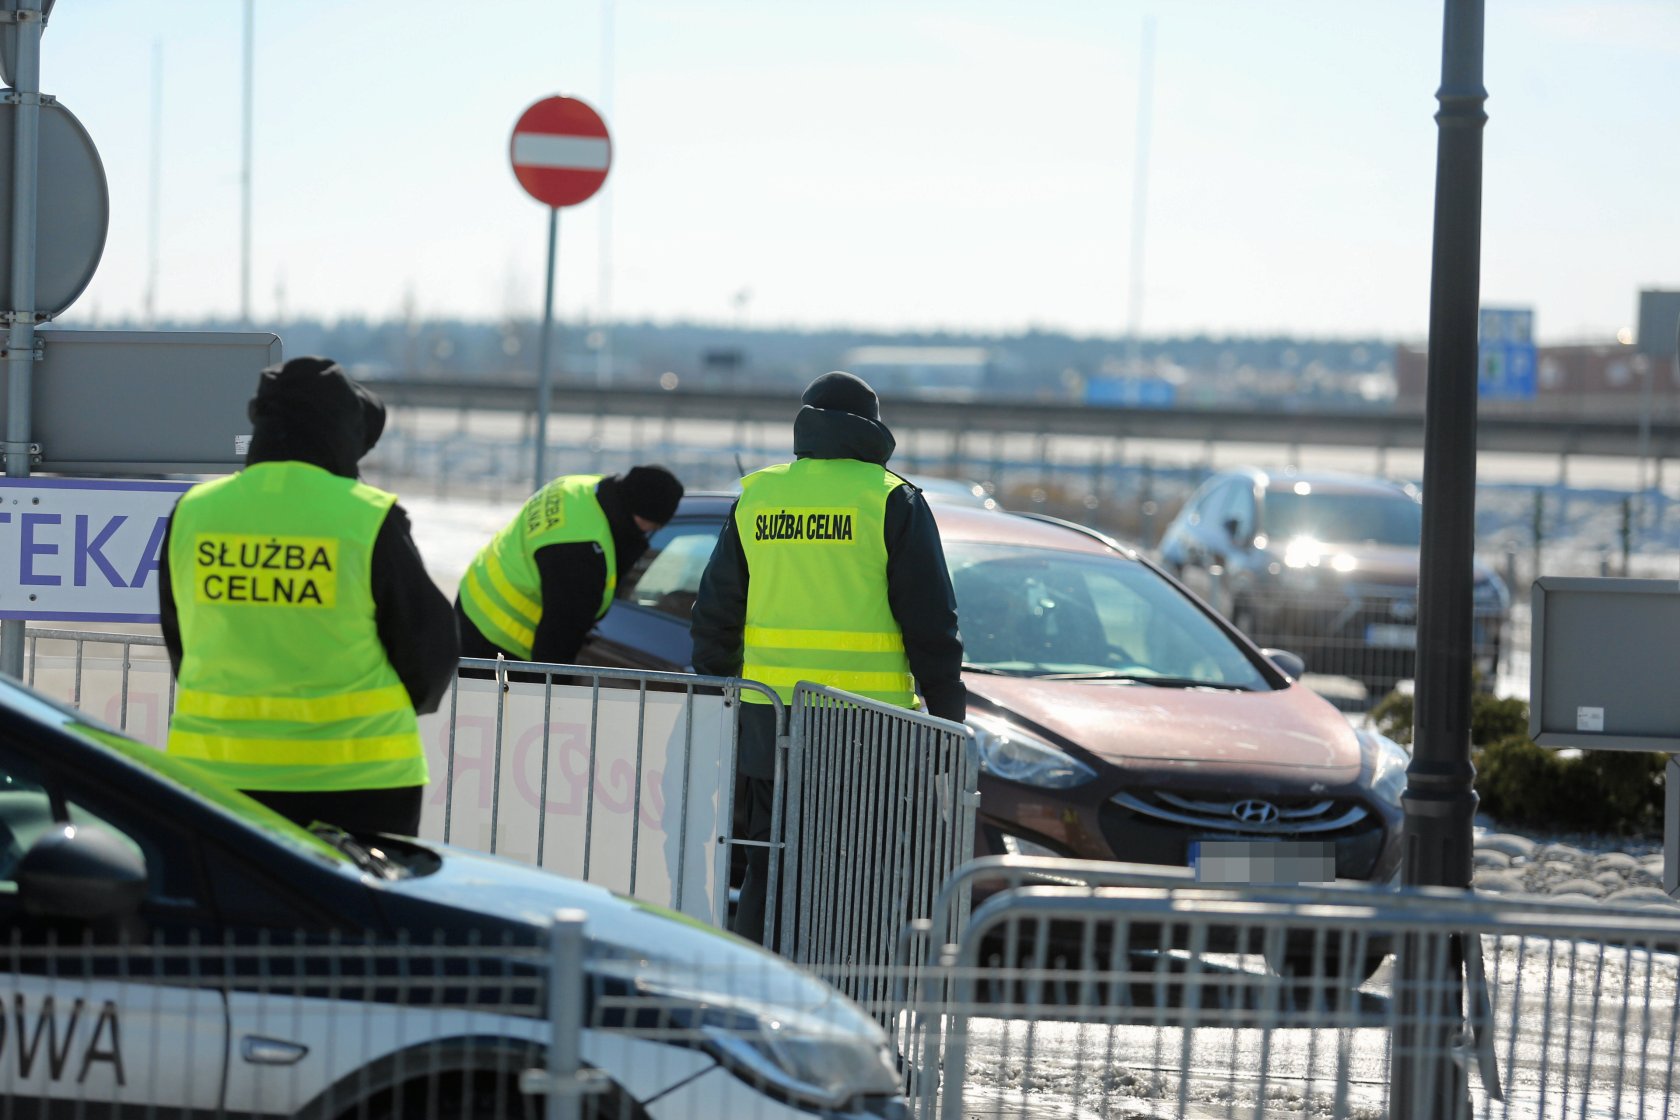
1393	717
1527	786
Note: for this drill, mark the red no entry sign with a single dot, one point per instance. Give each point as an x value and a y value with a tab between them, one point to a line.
560	151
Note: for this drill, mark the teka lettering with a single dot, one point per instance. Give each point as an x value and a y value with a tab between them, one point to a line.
96	543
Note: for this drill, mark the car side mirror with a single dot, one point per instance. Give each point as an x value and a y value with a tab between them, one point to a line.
1291	665
74	871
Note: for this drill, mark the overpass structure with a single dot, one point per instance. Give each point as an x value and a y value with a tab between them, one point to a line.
1561	435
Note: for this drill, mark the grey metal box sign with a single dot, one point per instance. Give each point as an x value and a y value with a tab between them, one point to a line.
1659	323
145	402
1603	668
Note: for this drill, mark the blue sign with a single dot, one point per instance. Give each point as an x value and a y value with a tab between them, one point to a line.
1131	392
83	548
1505	354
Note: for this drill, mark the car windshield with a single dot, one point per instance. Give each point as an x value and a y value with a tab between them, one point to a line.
1345	518
1037	612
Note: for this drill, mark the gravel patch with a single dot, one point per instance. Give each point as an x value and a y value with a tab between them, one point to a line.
1604	869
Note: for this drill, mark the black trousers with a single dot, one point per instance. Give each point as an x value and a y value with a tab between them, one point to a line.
755	796
356	811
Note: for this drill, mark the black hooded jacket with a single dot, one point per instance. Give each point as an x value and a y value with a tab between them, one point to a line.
918	583
315	414
574	578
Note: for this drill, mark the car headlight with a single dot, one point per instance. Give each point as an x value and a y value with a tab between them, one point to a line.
1388	777
1010	753
793	1059
802	1043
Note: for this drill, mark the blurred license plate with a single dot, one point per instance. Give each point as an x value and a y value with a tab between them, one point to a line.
1390	635
1262	861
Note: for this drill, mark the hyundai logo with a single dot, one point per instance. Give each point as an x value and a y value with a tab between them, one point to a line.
1403	609
1255	812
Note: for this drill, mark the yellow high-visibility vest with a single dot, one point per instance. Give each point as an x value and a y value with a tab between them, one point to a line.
502	591
817	607
284	684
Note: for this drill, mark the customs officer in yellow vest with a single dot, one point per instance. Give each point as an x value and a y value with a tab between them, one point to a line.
829	569
534	592
303	630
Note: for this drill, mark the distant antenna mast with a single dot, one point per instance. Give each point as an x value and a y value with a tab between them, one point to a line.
245	179
1140	197
603	353
157	180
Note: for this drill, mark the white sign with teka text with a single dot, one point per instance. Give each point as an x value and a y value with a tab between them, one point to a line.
83	548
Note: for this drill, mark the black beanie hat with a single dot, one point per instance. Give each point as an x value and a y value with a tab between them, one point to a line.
843	392
651	492
308	408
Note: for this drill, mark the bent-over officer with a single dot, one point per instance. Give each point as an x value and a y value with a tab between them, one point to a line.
303	630
534	592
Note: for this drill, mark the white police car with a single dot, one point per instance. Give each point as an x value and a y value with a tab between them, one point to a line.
171	948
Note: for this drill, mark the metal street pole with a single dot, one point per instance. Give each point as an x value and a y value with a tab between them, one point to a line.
245	172
1648	374
1440	802
603	352
1140	200
540	470
20	333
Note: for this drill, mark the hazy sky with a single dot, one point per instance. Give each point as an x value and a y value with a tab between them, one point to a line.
964	164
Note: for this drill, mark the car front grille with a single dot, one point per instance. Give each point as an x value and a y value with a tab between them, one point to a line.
1156	827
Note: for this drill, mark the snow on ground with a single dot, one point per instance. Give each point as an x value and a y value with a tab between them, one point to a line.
450	531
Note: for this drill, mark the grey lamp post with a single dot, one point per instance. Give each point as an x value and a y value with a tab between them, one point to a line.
1440	802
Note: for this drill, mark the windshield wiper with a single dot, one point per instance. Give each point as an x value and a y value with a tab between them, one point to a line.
988	670
1144	678
367	857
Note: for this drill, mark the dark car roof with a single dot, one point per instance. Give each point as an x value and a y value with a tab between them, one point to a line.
961	523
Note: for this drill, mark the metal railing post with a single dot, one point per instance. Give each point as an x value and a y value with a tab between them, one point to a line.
22	314
566	944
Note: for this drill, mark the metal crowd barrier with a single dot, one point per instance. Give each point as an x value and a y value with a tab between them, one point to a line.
1179	999
615	776
879	810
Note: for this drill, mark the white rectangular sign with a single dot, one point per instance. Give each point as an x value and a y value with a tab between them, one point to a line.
83	548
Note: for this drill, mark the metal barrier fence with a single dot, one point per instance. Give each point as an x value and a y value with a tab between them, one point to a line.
1175	998
625	778
1126	1002
618	777
880	810
1073	988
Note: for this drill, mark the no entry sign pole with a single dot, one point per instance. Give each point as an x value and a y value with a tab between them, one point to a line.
560	153
539	470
